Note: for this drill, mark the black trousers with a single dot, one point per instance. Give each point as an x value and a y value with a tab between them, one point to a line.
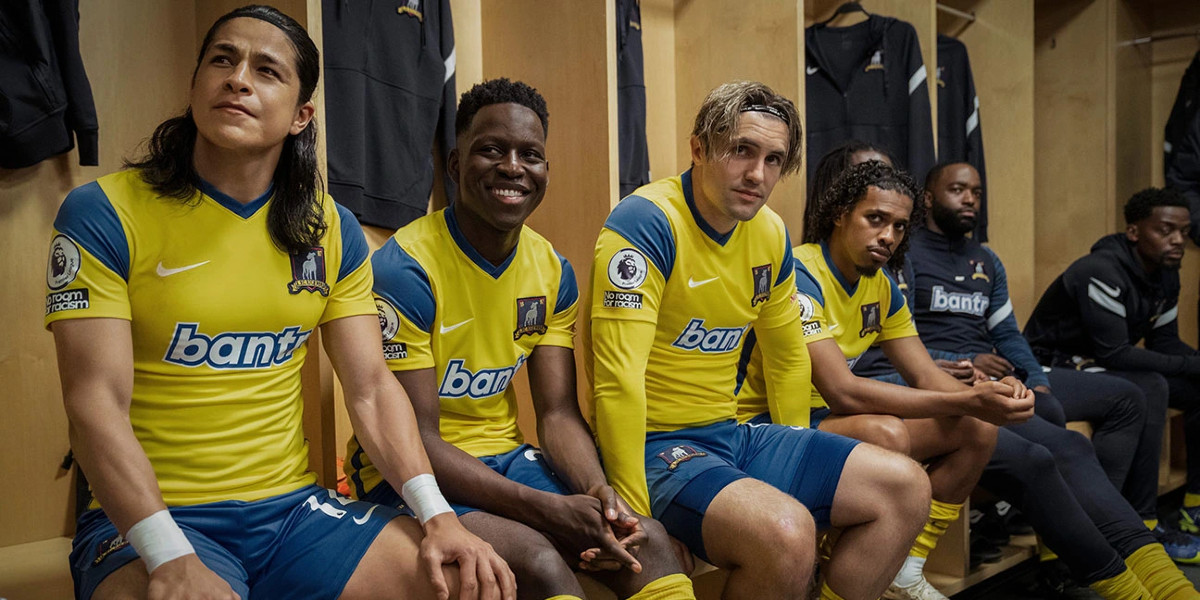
1176	392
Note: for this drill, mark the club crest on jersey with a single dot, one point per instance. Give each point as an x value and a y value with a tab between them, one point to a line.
308	272
679	454
412	8
870	319
64	262
531	317
108	546
977	265
876	62
627	269
762	284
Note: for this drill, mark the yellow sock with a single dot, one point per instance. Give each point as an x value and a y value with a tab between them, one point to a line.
1151	524
1191	500
564	597
1125	586
1164	580
828	594
672	587
1045	554
941	515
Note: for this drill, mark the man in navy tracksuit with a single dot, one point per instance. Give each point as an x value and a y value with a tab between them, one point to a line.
1124	292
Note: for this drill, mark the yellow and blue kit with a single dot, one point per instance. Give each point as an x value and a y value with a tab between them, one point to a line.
219	319
443	306
870	311
672	303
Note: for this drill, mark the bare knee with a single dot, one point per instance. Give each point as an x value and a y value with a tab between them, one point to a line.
537	565
979	436
887	432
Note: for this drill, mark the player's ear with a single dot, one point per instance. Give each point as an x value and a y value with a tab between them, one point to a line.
452	165
1131	232
927	199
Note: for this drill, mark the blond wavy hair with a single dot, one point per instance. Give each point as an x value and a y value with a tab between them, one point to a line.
717	120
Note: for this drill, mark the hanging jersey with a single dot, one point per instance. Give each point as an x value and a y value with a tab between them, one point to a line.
1183	112
219	319
660	266
389	96
960	136
443	306
631	98
868	82
856	316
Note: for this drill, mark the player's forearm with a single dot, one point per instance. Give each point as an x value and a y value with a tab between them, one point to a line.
870	396
567	443
620	352
386	427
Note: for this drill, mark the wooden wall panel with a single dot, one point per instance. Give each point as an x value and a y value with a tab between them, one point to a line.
1000	45
732	45
135	87
662	129
1071	143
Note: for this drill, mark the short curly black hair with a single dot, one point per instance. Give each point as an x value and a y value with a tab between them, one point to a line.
826	172
851	187
499	91
1141	204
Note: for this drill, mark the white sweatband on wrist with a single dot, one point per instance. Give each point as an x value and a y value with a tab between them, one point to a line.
422	495
158	539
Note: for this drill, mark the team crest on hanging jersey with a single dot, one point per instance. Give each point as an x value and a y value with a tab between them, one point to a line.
876	61
762	284
531	317
308	272
412	8
64	262
979	274
870	319
941	82
627	269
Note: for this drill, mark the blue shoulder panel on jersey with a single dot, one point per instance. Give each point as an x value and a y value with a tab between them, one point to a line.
897	295
88	217
354	243
645	225
807	284
568	289
402	281
785	265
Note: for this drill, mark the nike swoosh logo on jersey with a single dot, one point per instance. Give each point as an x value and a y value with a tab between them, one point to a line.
810	70
832	326
692	283
1111	291
165	272
364	518
446	330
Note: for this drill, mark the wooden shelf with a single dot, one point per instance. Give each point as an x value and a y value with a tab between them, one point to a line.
1021	549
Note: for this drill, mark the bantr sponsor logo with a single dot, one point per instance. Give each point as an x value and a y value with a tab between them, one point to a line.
459	381
230	350
959	302
67	300
622	300
715	340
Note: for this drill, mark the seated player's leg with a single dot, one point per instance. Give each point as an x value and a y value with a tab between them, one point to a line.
105	566
540	570
764	538
391	567
660	569
885	431
1184	394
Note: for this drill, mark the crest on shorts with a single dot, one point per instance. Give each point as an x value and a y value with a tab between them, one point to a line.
627	269
762	284
108	546
870	319
675	455
64	262
308	272
531	317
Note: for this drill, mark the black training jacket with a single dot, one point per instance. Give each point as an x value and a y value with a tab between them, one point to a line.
960	136
1184	172
631	99
868	82
1187	103
389	94
45	98
1102	306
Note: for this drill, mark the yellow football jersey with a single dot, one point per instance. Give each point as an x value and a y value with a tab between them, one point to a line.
444	306
672	304
853	315
219	319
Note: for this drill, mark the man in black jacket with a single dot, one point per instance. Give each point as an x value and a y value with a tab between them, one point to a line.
1126	291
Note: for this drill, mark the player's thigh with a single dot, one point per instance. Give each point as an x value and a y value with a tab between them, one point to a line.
884	431
527	551
126	583
750	519
871	477
391	567
931	438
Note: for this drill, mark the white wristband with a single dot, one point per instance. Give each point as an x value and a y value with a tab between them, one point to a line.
424	498
158	539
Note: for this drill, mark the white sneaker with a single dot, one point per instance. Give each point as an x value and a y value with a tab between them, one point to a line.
923	590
